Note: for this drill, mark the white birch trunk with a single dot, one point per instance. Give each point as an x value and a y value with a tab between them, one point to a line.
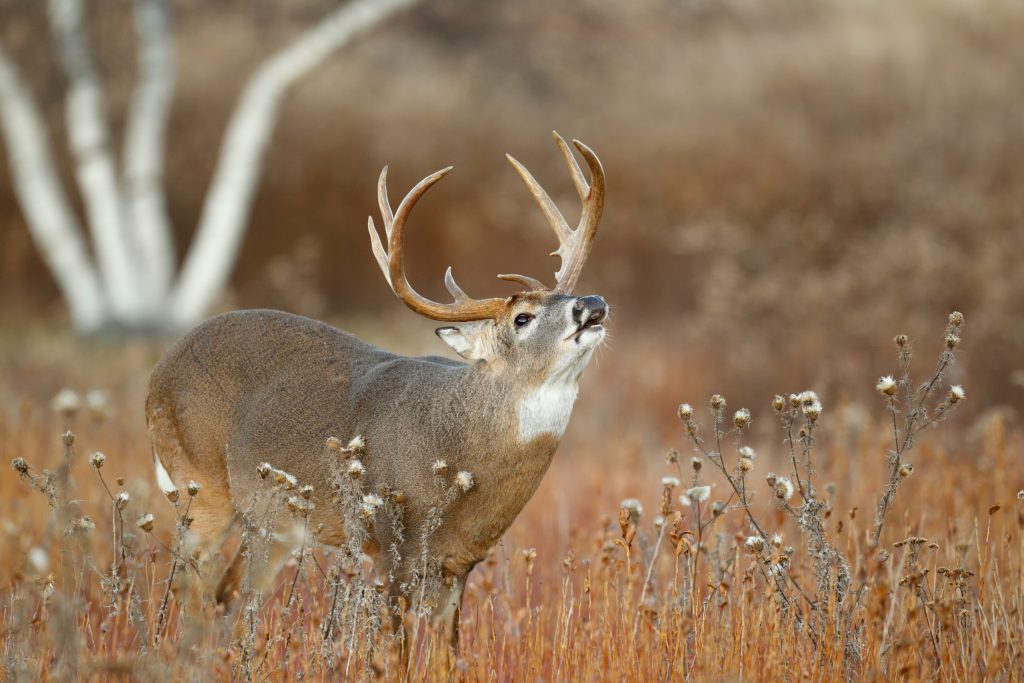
50	219
144	151
94	164
226	210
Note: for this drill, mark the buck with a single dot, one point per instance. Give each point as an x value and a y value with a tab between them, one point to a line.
253	387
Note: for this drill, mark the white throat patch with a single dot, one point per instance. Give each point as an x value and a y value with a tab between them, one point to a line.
546	410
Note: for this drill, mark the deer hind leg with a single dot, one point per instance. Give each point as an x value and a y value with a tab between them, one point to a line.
211	510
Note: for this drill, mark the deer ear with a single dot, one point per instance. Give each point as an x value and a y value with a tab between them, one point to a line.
469	340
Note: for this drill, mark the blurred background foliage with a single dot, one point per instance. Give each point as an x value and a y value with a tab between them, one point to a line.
790	184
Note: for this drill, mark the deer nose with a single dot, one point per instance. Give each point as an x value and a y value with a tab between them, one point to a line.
589	310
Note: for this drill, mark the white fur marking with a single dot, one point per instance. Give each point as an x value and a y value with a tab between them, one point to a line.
163	480
546	410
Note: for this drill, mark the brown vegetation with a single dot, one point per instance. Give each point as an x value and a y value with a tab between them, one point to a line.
582	587
789	186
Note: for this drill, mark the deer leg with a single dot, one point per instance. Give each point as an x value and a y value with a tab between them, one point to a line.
448	612
231	581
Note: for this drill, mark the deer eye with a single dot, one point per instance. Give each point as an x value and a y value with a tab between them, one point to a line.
523	319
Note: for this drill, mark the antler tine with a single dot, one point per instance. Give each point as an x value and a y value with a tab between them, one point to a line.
378	250
525	280
582	188
392	261
551	212
384	203
453	287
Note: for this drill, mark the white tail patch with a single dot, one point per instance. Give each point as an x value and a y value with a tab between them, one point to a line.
163	480
546	410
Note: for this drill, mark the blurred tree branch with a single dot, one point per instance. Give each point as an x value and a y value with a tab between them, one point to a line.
132	284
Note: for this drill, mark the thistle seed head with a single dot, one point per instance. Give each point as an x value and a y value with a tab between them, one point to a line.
146	521
633	507
464	480
696	494
741	418
754	544
193	488
886	385
784	489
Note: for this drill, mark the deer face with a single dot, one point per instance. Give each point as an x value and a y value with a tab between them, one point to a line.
543	336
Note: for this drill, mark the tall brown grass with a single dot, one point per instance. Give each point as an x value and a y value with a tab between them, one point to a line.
587	585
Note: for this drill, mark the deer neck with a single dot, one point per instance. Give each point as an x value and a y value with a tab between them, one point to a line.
544	410
530	410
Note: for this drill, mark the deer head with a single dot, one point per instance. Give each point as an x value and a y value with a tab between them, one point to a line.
544	333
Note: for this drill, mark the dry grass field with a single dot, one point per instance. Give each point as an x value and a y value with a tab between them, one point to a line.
746	579
790	187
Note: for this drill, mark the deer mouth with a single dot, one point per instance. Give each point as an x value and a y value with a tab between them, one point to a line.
591	324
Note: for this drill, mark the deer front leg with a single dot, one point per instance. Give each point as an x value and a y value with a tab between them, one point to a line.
449	610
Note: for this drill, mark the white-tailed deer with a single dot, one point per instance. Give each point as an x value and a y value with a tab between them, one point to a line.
248	391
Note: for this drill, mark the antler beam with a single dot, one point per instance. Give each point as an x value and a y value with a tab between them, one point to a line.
392	262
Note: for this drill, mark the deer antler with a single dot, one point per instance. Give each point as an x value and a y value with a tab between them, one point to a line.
573	244
392	264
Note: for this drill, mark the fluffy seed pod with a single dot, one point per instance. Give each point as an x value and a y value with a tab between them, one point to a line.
886	385
356	469
146	522
464	480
